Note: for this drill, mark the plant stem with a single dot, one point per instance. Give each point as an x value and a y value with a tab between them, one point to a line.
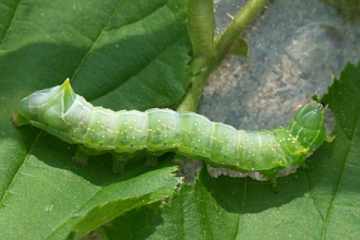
202	67
247	15
192	98
201	28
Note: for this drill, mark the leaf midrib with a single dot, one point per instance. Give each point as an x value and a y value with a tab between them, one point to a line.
7	28
78	210
13	178
101	32
339	181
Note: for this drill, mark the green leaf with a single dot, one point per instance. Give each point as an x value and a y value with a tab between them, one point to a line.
342	215
118	54
319	202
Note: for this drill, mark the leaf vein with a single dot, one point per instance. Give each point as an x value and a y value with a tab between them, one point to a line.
243	200
101	32
8	26
312	197
17	171
331	205
114	88
79	210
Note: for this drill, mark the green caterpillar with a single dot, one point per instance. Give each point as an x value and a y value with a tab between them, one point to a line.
262	155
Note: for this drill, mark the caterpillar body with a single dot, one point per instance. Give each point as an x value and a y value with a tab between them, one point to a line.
262	155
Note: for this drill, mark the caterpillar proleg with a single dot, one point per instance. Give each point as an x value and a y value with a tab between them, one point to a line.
262	155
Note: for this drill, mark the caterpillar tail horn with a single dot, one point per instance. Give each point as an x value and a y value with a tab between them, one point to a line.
68	94
45	103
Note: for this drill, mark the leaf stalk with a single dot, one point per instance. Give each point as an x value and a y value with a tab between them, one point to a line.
207	52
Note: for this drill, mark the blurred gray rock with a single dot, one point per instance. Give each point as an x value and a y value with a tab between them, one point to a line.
296	48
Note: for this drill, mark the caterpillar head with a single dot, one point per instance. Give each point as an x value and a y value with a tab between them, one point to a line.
308	126
45	107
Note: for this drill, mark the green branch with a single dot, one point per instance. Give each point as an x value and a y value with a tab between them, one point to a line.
201	28
243	19
207	58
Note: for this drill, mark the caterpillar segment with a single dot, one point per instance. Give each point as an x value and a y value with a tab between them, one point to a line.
262	155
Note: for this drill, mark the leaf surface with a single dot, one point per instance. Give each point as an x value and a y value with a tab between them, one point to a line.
118	54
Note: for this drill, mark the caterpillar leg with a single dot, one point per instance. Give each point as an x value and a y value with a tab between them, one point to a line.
82	154
120	161
151	160
274	185
330	138
18	120
81	157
